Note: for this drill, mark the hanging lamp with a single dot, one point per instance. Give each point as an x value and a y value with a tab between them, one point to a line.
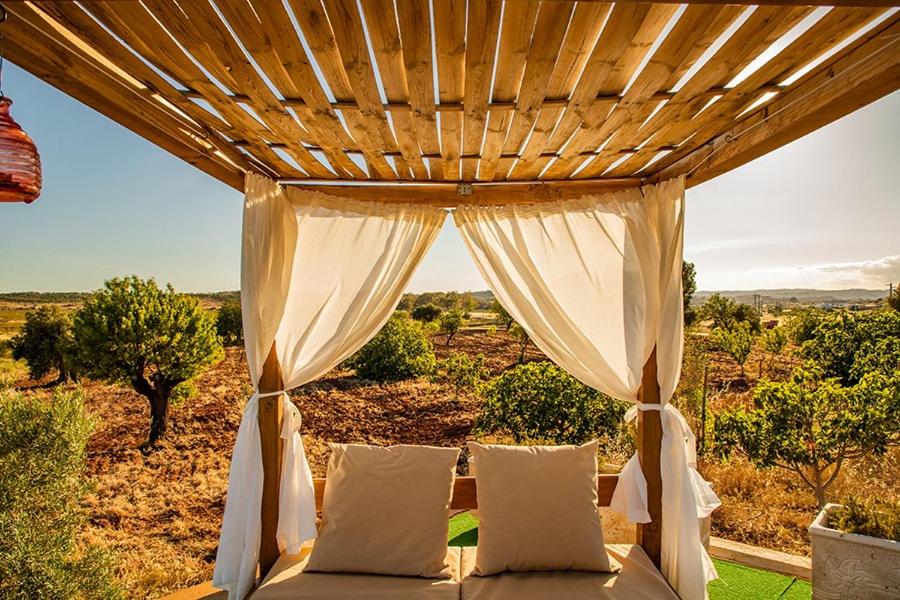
20	164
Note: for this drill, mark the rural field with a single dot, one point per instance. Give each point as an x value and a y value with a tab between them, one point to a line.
159	512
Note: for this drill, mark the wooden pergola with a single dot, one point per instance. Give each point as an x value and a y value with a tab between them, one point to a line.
448	101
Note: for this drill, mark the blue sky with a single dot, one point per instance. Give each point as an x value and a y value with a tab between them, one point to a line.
822	212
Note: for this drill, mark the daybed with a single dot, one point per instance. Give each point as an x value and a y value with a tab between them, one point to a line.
638	579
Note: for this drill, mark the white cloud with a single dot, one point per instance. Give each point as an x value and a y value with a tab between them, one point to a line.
870	274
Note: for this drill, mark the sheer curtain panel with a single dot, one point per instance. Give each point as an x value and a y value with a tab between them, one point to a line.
320	275
596	283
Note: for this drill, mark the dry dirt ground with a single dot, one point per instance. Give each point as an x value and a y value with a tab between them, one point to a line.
161	512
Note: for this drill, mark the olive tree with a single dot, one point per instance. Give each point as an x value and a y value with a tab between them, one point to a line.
45	343
451	322
812	425
131	331
502	315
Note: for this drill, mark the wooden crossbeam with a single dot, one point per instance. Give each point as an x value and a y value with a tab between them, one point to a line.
449	195
465	492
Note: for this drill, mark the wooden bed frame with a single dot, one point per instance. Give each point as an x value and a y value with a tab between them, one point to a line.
649	442
465	492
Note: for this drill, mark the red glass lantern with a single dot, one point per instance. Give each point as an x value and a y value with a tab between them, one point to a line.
20	164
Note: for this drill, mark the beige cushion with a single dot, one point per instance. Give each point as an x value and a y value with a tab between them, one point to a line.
538	509
636	579
288	580
385	511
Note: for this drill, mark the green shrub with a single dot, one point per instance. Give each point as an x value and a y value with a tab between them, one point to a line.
401	350
847	345
229	324
802	322
42	454
426	313
518	333
876	518
540	401
45	343
153	339
502	315
461	371
736	340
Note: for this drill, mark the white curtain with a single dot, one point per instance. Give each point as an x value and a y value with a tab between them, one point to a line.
320	275
596	283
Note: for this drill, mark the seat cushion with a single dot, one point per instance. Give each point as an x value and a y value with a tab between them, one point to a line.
637	579
385	511
537	507
288	581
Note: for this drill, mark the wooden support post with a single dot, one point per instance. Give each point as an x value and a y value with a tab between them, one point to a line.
270	420
649	442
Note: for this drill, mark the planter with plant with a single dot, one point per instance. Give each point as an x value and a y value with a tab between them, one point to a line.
856	551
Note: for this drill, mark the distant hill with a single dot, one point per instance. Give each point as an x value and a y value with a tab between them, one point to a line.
798	295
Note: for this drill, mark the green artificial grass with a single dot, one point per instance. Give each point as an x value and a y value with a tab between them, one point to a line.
736	582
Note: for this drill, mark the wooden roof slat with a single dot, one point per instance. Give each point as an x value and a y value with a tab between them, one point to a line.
258	43
90	33
222	56
314	23
516	29
347	26
136	27
865	71
450	47
584	29
613	75
53	62
674	57
265	30
763	28
482	32
553	22
414	19
381	20
832	29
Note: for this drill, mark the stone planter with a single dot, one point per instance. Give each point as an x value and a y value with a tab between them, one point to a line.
847	566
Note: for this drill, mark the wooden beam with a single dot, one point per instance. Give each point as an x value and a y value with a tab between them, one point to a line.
270	420
465	495
861	76
448	195
842	3
649	443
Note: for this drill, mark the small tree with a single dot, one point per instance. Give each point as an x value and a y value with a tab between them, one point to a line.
426	313
720	310
774	341
45	343
842	340
461	371
451	322
802	322
811	426
502	315
540	401
229	324
401	350
42	490
688	288
156	340
518	333
736	341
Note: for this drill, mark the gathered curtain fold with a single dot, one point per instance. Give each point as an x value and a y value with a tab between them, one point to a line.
596	284
320	275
